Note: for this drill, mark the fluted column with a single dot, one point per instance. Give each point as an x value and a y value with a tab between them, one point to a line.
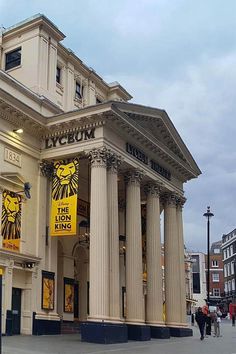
182	282
134	267
171	246
154	269
113	232
99	247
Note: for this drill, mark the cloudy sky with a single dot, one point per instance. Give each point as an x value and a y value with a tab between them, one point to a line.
178	55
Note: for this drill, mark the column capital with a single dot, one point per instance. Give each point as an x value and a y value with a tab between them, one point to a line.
170	199
46	168
134	176
180	201
98	157
152	189
113	161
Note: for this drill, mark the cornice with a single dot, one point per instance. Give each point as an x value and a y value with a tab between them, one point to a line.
32	22
19	119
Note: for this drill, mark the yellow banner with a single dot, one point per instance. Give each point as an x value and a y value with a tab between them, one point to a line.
64	198
11	220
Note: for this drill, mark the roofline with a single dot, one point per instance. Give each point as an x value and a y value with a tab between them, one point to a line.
33	21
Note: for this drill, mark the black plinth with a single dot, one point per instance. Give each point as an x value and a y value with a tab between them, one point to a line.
44	327
160	332
103	332
139	332
180	332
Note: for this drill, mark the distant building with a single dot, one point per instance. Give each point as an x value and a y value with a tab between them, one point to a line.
199	278
190	300
216	273
229	259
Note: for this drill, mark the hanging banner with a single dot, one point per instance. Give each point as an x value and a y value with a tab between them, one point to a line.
64	198
11	220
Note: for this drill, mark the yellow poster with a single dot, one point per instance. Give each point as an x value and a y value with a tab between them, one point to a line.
47	290
11	220
69	296
64	198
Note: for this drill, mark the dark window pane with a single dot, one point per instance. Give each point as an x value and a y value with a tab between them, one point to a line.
195	265
196	283
58	75
78	90
13	59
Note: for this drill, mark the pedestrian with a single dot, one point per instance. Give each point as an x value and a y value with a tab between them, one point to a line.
215	324
200	318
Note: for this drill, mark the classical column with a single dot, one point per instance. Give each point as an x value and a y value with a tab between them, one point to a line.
113	232
99	247
154	268
171	246
182	283
122	245
134	267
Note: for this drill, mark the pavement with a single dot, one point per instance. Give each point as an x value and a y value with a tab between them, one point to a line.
71	344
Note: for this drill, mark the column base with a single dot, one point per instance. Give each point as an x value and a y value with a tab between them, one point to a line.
160	332
180	332
139	332
103	332
44	326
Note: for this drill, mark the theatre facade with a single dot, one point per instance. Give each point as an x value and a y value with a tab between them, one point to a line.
83	187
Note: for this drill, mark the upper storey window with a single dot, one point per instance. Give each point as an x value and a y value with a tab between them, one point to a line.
78	90
58	75
98	100
13	59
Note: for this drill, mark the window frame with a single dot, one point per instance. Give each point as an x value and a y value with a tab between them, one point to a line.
15	62
216	290
215	263
79	93
215	277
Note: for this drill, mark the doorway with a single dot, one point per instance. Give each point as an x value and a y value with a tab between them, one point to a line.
16	310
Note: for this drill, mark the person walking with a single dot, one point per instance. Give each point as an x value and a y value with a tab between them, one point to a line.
200	318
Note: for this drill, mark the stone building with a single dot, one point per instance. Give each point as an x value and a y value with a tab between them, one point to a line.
77	162
229	276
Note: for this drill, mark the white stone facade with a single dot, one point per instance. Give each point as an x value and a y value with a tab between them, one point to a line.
128	155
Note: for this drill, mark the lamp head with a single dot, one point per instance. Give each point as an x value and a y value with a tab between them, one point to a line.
208	214
18	131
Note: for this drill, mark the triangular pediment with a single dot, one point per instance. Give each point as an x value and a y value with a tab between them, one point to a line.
156	124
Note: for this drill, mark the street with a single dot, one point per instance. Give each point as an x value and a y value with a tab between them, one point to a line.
70	344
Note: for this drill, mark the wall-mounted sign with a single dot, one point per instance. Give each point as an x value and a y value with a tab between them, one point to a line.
64	198
161	170
69	138
83	208
12	157
140	155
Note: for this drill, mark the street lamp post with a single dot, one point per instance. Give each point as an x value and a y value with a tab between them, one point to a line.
208	215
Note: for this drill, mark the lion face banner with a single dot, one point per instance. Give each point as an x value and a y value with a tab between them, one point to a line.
64	197
11	220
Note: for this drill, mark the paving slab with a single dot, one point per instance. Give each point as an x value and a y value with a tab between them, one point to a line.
71	344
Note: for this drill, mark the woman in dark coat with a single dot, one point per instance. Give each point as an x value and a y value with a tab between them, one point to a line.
200	318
